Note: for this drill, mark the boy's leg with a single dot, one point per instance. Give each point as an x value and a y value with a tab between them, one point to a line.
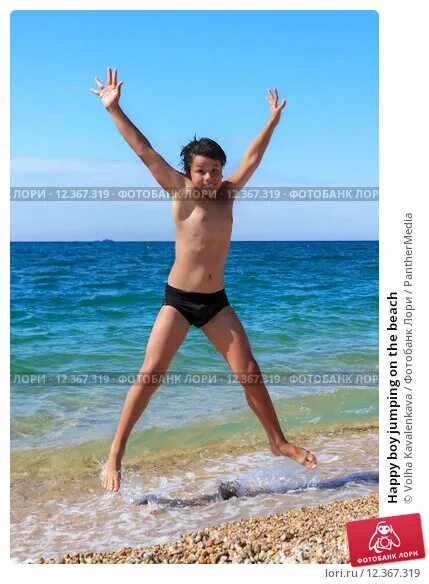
168	333
227	334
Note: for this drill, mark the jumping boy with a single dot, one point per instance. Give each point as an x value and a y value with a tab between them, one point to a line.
194	293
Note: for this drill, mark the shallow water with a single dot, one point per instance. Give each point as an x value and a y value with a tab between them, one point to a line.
56	517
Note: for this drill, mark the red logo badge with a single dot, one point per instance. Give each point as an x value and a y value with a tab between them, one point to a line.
385	539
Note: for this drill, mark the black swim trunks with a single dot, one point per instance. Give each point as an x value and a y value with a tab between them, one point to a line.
197	307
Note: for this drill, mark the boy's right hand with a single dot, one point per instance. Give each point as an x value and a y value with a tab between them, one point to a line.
110	93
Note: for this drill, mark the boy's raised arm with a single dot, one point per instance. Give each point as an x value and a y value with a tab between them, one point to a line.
253	155
164	174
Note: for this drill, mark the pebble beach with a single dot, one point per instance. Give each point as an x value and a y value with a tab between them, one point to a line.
309	535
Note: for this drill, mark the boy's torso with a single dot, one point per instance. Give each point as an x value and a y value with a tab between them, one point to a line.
203	234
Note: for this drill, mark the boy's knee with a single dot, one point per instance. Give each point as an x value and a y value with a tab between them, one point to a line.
252	366
249	372
151	374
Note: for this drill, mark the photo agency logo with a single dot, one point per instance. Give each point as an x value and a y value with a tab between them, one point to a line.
385	539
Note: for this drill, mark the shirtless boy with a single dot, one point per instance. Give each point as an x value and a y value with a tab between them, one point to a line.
194	293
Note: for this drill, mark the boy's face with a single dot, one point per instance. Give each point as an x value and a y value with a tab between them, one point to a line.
206	174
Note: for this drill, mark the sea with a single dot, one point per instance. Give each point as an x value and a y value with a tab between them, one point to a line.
81	316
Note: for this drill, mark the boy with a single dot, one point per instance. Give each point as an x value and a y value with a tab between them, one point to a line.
194	293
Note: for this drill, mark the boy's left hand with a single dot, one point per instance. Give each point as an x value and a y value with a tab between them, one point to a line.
275	109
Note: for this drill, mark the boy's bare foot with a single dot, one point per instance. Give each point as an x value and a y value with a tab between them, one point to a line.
300	455
111	477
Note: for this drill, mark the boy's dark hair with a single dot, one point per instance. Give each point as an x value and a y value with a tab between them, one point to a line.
202	147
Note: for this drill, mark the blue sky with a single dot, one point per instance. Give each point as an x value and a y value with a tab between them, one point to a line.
187	73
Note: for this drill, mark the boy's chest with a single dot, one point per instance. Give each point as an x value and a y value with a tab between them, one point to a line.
209	215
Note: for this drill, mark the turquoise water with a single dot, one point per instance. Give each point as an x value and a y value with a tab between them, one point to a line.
88	308
82	309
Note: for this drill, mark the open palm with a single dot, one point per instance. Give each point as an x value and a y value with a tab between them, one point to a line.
111	92
273	100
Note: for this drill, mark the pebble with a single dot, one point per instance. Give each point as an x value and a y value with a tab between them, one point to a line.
296	536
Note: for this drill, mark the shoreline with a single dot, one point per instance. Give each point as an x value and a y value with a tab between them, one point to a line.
300	535
86	459
98	521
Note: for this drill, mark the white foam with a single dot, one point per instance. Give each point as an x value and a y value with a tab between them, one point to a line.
108	521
